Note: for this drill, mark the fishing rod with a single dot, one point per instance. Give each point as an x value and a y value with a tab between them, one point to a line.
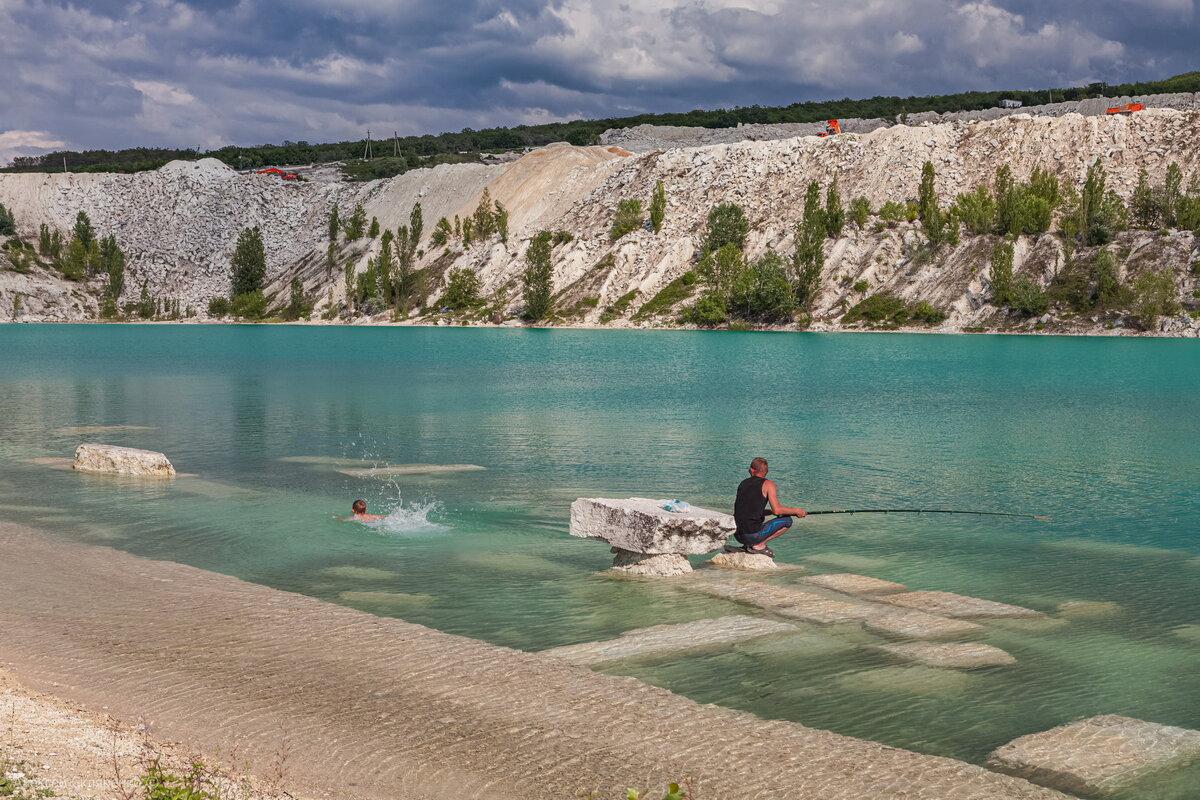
1038	517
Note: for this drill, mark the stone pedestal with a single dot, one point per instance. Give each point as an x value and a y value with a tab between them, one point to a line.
647	539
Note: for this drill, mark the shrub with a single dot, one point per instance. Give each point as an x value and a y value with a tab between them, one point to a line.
218	307
860	211
299	305
977	210
707	312
892	212
718	269
628	218
860	286
561	237
886	310
658	206
726	225
762	292
1154	296
462	290
249	305
618	307
1027	297
8	223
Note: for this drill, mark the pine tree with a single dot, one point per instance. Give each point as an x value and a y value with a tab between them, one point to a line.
84	231
441	233
249	262
56	244
356	226
335	224
468	232
74	263
835	215
44	239
416	225
485	218
658	206
373	231
502	222
1144	205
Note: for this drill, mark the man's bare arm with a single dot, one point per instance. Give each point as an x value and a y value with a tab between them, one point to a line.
777	508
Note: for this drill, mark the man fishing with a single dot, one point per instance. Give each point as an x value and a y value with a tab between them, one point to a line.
754	495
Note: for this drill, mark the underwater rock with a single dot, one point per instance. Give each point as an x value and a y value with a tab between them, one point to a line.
116	460
667	640
1088	609
1098	756
658	565
919	680
745	561
849	583
638	525
957	655
959	606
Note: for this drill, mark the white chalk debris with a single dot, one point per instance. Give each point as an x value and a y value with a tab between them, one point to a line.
116	460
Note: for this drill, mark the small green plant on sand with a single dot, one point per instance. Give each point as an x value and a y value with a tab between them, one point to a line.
674	792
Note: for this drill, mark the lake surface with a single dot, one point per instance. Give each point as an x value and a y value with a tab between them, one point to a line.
1103	435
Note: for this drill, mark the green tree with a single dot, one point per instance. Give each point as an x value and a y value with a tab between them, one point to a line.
416	225
860	211
977	210
74	263
485	218
145	304
56	244
299	305
84	231
44	239
1101	212
335	224
726	225
1001	276
251	305
707	312
462	290
1027	297
383	264
718	269
658	206
249	262
468	232
808	257
538	277
112	263
8	223
373	231
1144	205
356	225
835	215
502	222
348	277
1005	197
1172	194
218	307
627	219
928	210
1110	293
441	233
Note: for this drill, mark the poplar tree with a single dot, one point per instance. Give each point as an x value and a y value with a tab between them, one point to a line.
335	224
928	210
502	222
249	262
835	214
416	225
538	277
658	206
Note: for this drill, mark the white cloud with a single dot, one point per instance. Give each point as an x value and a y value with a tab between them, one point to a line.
164	93
23	143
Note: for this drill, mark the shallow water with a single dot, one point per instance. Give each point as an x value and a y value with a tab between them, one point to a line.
1100	434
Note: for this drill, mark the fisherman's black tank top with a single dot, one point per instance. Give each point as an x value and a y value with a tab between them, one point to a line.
750	507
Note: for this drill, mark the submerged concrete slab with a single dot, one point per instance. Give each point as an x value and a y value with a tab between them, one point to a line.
667	640
1097	756
1088	609
849	583
826	609
639	525
955	655
747	562
376	708
115	460
918	680
959	606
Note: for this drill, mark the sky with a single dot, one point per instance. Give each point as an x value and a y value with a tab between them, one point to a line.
111	74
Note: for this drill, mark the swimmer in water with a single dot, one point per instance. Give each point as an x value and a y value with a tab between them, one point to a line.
358	512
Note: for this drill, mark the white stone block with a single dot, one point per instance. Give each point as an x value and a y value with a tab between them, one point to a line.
639	525
122	461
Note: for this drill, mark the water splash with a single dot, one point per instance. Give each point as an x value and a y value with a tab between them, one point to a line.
411	518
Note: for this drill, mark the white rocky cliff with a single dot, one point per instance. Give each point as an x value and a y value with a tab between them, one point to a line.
178	225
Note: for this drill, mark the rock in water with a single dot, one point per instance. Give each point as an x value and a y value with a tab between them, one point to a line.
122	461
639	525
956	655
747	561
1098	756
659	565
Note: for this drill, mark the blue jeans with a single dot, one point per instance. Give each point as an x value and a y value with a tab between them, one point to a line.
772	527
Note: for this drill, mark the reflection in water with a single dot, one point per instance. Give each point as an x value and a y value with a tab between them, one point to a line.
1099	434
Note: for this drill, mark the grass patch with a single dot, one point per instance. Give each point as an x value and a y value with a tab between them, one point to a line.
885	310
668	297
618	307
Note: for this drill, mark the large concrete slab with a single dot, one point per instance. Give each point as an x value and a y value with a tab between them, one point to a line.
667	640
372	707
849	583
1098	756
115	460
959	606
640	525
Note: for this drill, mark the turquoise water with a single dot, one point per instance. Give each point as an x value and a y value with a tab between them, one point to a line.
1100	434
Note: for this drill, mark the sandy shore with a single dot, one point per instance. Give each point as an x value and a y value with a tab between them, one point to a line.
379	708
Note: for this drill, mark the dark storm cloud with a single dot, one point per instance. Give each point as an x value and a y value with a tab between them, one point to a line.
208	72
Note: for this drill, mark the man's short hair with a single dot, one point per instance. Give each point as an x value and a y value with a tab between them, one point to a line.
758	463
358	506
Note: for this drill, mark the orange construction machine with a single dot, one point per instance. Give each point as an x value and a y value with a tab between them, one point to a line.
287	176
1128	108
832	128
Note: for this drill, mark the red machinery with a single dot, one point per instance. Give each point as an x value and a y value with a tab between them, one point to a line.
1128	108
832	128
287	176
